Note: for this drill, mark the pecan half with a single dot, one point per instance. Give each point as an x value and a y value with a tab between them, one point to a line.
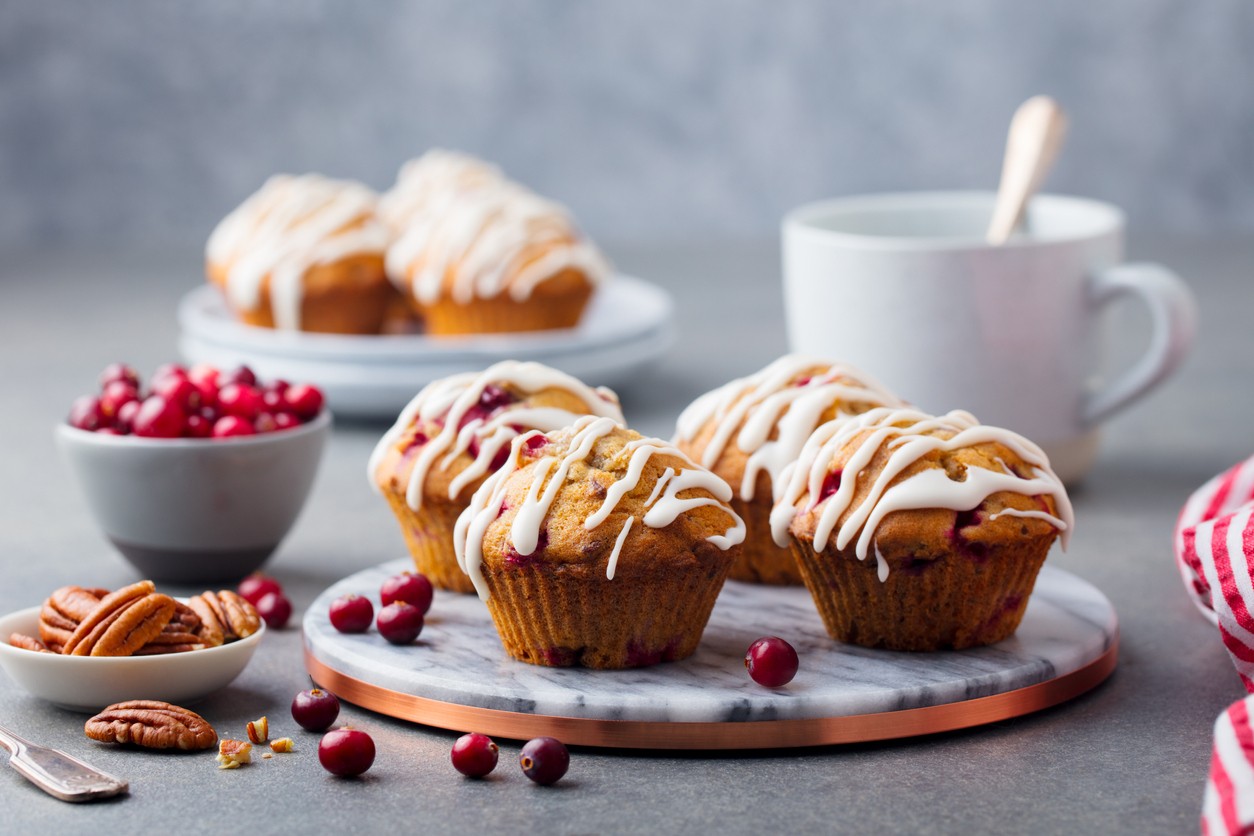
108	606
184	619
119	627
62	612
28	643
154	649
152	725
225	614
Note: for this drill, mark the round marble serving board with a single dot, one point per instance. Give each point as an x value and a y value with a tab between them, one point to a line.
458	676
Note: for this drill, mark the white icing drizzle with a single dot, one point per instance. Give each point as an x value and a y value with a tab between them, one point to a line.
909	435
762	402
463	229
1016	512
662	508
289	226
449	400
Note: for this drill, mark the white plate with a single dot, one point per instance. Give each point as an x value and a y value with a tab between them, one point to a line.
629	324
90	683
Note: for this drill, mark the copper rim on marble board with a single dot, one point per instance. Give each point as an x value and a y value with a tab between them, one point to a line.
757	734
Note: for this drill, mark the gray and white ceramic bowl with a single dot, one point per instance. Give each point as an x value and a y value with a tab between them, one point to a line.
196	510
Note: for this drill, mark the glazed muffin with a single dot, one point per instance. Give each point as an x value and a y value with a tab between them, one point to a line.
456	433
915	532
599	547
475	252
304	253
752	428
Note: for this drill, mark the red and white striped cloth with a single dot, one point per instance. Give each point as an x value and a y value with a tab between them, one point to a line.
1229	803
1214	550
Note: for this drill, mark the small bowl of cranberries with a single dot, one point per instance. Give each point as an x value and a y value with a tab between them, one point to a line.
200	473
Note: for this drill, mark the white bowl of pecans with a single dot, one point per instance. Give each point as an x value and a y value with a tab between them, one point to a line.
88	648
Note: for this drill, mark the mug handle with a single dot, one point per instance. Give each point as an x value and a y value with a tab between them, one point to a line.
1173	315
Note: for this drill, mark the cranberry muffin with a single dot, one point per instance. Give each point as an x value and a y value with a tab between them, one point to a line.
596	546
454	434
304	253
749	430
920	532
475	252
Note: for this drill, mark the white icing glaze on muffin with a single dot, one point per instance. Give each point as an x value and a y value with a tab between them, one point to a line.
910	435
662	507
290	225
453	401
463	230
769	401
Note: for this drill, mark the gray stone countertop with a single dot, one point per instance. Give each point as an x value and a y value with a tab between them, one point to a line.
1131	756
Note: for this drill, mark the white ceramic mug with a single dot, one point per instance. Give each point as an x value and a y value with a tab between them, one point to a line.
904	287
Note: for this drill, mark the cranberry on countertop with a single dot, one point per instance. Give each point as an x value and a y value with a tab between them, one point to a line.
256	586
275	609
346	752
474	755
544	760
315	710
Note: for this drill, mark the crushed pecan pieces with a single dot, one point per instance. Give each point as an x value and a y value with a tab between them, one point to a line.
258	730
137	621
283	744
152	725
232	754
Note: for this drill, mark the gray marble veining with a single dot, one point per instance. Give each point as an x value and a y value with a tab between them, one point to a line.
459	659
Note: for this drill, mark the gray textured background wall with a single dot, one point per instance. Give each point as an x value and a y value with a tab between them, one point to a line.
143	121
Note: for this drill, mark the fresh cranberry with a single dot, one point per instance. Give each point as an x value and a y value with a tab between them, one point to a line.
474	755
158	418
285	421
771	661
228	426
346	752
304	400
240	374
400	622
544	760
166	370
179	390
210	413
124	422
203	374
240	400
351	613
119	372
116	394
315	710
410	587
274	609
86	414
265	423
272	395
197	427
256	586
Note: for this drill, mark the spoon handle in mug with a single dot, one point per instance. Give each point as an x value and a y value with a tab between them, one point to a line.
59	774
1036	133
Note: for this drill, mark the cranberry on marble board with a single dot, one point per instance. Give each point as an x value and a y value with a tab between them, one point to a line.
771	661
400	622
412	587
351	613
